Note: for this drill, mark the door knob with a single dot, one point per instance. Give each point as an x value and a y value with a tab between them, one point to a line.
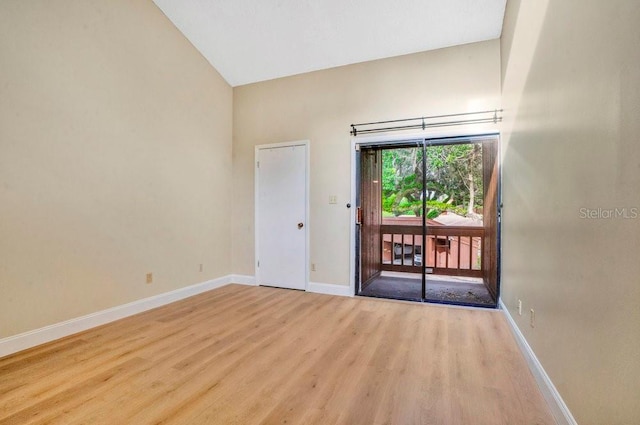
300	225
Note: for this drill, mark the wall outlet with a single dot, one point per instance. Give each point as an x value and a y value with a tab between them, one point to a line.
313	267
149	277
200	268
520	307
333	199
533	318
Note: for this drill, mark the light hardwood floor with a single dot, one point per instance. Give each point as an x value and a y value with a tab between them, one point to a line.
256	355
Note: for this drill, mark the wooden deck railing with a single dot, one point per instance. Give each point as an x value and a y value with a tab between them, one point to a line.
450	250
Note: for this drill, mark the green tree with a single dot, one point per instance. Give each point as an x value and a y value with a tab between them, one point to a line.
453	177
402	181
456	171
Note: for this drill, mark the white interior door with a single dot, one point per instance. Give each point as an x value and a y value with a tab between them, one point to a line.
281	215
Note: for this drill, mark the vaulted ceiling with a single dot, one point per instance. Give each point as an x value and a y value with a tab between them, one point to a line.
255	40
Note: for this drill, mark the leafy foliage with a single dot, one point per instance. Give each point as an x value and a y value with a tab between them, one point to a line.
453	180
402	181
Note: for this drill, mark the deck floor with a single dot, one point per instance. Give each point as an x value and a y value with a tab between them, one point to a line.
257	355
449	289
407	286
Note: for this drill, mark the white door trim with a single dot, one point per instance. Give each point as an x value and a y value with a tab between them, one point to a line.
307	145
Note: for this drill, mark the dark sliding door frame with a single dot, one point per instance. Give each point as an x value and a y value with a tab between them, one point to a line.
424	143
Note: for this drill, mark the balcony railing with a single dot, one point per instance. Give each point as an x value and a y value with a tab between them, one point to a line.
450	250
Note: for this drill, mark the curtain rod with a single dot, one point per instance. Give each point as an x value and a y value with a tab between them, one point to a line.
471	118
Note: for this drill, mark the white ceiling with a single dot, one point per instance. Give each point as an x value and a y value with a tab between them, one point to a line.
255	40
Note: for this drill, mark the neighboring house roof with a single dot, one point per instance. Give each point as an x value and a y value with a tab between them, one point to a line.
452	219
409	221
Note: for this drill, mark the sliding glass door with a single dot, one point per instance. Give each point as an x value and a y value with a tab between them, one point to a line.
427	220
391	221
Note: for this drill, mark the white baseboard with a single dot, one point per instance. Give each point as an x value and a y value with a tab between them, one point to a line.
242	279
318	288
25	340
329	289
557	405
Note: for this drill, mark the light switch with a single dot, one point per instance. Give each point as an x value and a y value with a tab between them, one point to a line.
333	199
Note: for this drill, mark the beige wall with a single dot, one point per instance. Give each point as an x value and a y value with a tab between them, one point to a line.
571	94
320	106
115	159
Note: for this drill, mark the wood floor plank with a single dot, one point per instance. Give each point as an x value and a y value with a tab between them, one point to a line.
255	355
